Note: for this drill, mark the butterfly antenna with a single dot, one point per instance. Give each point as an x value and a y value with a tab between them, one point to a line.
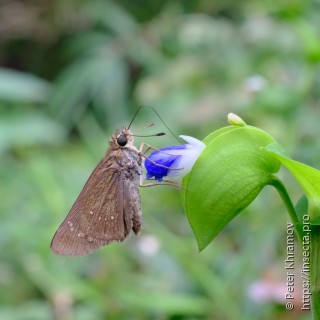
158	117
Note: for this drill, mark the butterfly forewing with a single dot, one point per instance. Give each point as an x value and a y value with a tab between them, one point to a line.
106	209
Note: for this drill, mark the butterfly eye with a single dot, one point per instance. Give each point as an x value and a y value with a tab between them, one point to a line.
122	140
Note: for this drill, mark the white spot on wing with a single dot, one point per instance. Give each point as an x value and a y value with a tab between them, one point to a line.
70	224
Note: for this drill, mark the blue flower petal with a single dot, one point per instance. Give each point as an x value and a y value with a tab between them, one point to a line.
164	158
175	161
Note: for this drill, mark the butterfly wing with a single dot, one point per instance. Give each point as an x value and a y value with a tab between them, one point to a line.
98	216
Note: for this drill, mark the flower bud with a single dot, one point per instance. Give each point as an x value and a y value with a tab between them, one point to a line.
235	120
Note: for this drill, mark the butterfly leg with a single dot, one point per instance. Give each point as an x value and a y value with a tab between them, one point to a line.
149	147
164	183
146	157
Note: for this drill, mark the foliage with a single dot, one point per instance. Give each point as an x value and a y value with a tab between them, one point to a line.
226	178
243	166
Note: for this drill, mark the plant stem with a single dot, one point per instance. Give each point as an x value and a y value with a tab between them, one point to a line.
288	203
309	238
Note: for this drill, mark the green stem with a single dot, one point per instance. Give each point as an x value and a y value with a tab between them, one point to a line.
288	203
309	238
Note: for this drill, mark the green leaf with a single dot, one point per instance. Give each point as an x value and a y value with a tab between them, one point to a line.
307	177
18	86
217	133
226	178
27	130
206	140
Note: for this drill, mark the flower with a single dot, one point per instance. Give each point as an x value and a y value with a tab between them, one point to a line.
174	162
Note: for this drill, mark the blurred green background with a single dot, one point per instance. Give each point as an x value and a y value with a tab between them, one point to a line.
74	71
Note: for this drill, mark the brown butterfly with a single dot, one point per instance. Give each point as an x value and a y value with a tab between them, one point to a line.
108	207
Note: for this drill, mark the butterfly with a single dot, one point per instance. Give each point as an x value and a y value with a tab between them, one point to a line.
108	207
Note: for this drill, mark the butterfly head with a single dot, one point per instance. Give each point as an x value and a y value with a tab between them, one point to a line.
122	138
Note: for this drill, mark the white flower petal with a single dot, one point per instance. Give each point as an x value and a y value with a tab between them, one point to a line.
188	157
